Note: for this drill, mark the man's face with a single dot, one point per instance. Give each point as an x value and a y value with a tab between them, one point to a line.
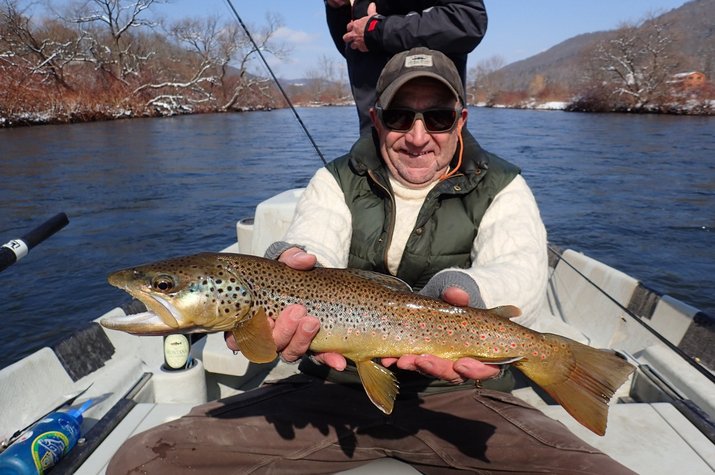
417	157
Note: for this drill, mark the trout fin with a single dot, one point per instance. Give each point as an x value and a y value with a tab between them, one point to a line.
388	281
254	338
580	378
380	384
505	311
500	361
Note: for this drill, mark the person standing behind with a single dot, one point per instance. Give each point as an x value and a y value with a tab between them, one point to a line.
368	34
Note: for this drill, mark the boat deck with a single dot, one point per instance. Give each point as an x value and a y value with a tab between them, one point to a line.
650	438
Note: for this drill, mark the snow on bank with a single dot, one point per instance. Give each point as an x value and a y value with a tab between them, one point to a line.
551	105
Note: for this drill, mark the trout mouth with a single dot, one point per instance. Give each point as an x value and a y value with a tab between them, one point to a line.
158	320
161	308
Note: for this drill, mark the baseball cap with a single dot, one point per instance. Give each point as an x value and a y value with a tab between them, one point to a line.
414	63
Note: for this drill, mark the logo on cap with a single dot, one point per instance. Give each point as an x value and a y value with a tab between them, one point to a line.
419	60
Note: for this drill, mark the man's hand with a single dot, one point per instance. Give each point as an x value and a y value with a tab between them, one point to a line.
453	371
355	36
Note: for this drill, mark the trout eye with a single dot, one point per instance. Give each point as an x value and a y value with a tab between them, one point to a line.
163	283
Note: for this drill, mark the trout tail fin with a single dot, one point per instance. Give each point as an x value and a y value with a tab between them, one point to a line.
582	381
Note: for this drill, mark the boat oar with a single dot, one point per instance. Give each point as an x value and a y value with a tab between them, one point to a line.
16	249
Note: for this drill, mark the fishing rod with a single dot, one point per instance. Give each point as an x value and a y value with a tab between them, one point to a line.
275	79
635	317
16	249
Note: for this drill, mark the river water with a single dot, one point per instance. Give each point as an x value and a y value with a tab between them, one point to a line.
634	191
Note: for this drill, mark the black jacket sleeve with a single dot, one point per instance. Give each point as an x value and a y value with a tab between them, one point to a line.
453	27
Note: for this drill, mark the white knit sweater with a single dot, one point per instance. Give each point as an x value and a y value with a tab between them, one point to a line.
509	261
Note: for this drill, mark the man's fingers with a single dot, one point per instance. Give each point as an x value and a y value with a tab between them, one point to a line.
438	368
286	324
455	296
469	368
447	370
230	341
297	258
300	343
334	360
294	331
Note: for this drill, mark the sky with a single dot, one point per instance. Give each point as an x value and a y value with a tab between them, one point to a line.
517	29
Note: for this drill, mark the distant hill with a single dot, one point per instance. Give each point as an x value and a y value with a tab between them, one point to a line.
691	26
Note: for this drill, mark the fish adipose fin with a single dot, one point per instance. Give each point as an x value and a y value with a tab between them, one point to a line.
583	382
254	338
380	384
388	281
505	311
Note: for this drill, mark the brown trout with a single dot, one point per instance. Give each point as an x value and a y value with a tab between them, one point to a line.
363	315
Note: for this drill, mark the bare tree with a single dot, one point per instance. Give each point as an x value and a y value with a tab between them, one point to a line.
238	77
111	26
41	51
537	85
636	63
325	82
179	80
487	81
107	58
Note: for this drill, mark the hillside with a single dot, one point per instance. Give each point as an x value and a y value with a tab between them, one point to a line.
690	27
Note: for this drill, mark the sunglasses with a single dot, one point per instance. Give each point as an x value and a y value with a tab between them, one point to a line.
435	120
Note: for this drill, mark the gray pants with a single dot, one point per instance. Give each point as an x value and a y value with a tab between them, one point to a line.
305	425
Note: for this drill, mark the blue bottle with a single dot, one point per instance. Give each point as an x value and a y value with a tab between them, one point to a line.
43	445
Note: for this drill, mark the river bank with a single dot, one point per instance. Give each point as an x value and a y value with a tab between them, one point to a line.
77	115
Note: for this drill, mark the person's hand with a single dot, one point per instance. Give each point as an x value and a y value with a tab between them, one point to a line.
355	36
297	258
294	329
453	371
456	296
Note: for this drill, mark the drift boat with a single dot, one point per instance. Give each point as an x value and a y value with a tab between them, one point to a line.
660	420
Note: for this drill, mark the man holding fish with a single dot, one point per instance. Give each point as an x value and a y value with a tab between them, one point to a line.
418	201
